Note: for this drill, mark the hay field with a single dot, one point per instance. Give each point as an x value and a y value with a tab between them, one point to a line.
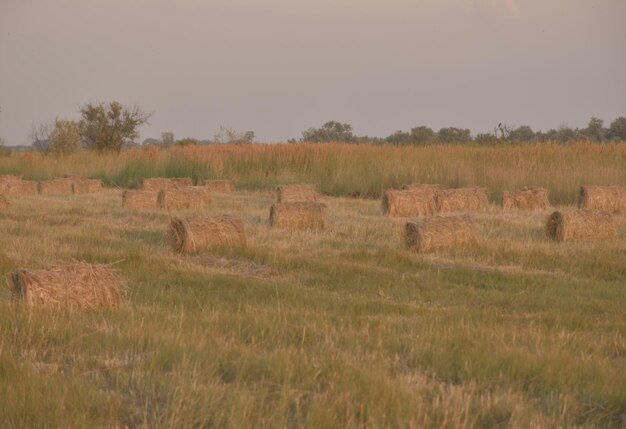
340	327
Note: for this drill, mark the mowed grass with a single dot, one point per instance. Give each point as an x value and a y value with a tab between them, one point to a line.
336	328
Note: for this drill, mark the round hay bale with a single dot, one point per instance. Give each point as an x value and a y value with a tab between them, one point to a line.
526	199
183	198
581	224
159	183
190	235
221	186
56	186
139	199
296	193
298	215
68	286
461	199
438	232
409	202
611	199
86	186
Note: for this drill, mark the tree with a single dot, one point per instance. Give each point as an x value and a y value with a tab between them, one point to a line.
398	138
486	138
187	141
106	127
521	134
331	131
422	135
230	136
167	138
595	130
64	137
39	135
454	135
618	128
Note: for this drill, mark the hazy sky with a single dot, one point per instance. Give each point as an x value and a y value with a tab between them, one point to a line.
280	66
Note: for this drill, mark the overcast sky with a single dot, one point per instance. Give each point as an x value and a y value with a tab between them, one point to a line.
278	67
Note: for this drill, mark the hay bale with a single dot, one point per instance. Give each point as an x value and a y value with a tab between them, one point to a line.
221	186
56	186
409	202
295	193
526	199
611	199
438	232
86	186
581	224
73	286
159	183
183	198
139	199
298	215
191	235
8	180
20	188
461	199
4	203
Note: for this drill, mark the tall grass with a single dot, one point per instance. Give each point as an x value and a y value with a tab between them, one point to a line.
351	170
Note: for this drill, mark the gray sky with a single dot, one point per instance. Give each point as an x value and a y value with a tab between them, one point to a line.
280	66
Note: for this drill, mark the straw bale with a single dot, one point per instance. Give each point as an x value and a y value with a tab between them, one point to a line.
191	197
85	186
409	202
159	183
19	187
581	224
611	199
294	193
526	199
298	215
72	286
4	203
430	234
193	234
461	199
8	180
139	199
56	186
222	186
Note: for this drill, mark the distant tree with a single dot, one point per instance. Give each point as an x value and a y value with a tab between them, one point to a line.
106	127
167	138
422	135
486	138
331	131
565	134
522	133
230	136
454	135
595	130
399	138
39	135
64	137
187	141
617	128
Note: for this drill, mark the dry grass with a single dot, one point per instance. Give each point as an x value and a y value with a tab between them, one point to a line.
611	199
298	215
56	186
184	198
68	286
16	186
139	199
461	199
296	193
409	202
4	203
165	183
221	186
439	232
581	224
86	186
194	234
526	199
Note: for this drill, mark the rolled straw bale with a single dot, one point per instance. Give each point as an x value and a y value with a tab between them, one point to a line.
461	199
526	199
20	188
191	235
222	186
159	183
409	202
437	232
581	224
298	215
86	186
611	199
191	197
139	199
56	186
74	286
298	192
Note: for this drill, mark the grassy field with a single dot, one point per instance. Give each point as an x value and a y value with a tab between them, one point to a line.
338	328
